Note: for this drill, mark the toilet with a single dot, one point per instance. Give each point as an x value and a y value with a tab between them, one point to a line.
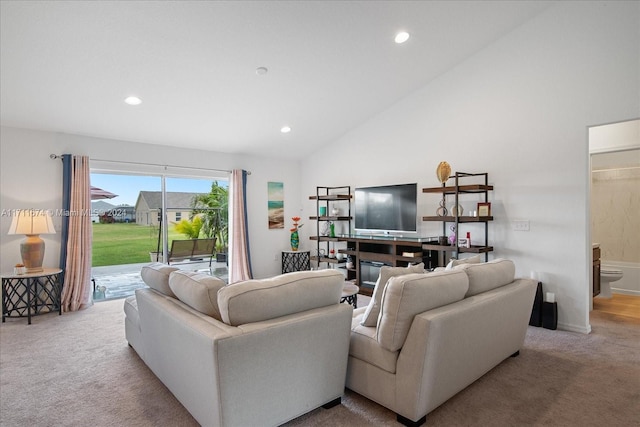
607	276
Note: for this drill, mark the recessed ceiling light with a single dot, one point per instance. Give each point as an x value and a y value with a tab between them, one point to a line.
261	71
402	37
285	129
132	100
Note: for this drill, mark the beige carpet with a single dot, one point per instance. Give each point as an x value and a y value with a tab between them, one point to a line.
77	370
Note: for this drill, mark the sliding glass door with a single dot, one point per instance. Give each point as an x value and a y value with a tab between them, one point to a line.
137	217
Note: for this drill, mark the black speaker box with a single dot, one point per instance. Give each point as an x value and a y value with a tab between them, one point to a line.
550	315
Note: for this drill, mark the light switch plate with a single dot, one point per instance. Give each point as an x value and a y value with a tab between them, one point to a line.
521	225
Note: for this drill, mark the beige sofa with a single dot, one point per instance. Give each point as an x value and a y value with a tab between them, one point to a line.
434	334
259	352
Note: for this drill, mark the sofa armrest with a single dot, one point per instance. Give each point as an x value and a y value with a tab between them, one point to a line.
450	347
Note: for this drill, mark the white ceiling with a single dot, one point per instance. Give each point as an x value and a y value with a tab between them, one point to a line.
67	66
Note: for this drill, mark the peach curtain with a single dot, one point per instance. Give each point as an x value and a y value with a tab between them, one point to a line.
240	259
76	291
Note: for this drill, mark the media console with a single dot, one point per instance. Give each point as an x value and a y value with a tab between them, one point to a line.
370	252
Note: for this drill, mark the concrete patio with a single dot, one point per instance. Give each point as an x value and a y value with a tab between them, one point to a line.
121	281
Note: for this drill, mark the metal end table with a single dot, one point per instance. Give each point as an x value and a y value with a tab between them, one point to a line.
27	295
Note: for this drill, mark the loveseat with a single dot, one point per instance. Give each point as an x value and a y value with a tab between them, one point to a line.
259	352
425	337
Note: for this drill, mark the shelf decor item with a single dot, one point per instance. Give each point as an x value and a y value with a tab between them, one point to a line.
452	237
457	210
324	229
295	237
442	172
484	209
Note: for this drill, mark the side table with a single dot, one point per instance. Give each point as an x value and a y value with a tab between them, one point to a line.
296	261
350	294
28	294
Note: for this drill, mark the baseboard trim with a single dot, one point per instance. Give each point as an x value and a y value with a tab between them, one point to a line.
574	328
625	292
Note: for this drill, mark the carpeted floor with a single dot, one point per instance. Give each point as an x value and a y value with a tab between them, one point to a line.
77	370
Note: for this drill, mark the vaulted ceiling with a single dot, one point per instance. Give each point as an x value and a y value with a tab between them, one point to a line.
228	75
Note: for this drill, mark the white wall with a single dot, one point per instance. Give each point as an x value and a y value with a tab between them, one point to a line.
518	110
29	178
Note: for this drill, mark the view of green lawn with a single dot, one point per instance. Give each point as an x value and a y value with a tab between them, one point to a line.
125	243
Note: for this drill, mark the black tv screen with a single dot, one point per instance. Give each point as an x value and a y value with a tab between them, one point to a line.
388	208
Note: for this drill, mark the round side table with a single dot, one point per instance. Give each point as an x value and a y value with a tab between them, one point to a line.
350	294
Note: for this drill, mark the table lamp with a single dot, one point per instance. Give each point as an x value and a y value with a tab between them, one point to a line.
32	223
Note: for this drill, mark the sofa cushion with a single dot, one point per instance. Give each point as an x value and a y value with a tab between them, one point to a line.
476	259
198	290
364	346
370	317
156	276
257	300
406	296
489	275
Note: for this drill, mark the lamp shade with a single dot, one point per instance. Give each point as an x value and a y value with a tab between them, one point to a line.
30	222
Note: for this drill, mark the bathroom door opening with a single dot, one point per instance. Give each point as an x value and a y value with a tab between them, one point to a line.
614	190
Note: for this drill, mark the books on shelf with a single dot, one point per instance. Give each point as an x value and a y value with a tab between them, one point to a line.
412	254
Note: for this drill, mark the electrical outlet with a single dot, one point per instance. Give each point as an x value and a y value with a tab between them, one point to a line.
521	225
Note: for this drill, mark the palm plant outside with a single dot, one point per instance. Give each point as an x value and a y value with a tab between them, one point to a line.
213	208
190	228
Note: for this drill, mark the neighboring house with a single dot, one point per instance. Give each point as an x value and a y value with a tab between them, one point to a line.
149	205
100	208
122	213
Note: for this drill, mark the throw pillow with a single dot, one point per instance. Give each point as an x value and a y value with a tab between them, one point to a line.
198	290
476	259
370	317
156	276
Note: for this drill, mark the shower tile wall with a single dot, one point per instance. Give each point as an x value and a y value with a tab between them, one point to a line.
615	213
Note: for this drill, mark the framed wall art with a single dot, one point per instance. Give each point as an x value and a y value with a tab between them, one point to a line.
275	204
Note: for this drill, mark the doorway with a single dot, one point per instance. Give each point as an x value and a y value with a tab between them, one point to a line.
614	201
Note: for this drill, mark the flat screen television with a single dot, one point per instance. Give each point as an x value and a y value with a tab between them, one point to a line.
387	208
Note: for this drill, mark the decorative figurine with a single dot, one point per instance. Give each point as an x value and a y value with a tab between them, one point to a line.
442	172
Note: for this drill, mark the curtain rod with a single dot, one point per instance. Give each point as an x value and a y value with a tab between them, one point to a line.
56	156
